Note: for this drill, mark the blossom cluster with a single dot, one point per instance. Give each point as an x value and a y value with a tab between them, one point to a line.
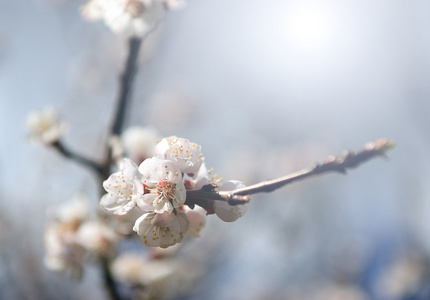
129	17
158	187
70	234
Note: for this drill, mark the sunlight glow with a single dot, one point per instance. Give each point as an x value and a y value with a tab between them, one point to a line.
309	26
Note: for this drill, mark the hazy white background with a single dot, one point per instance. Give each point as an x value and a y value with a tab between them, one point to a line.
266	87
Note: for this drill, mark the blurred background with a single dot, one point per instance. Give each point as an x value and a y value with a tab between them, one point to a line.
267	88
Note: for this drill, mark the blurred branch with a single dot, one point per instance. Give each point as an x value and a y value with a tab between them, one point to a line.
61	148
331	164
126	84
108	279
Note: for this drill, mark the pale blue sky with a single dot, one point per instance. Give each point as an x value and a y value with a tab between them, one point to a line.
253	85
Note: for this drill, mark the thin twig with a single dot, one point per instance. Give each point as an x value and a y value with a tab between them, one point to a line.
66	152
331	164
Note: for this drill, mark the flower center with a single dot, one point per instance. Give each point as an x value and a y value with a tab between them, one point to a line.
166	190
134	7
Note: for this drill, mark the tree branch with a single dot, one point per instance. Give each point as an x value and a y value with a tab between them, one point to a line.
331	164
126	84
62	149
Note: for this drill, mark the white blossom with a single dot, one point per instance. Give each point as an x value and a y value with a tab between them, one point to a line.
70	213
164	278
161	229
174	4
196	218
45	126
121	188
225	211
61	251
129	268
185	154
125	17
96	237
163	187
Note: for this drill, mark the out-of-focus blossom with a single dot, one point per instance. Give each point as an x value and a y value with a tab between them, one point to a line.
96	237
129	17
128	268
161	229
120	187
70	214
403	277
139	142
163	188
116	148
174	4
157	252
123	224
45	126
185	154
61	251
164	278
196	218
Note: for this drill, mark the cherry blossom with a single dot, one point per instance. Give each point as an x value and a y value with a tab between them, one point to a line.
125	17
121	188
225	211
174	4
185	154
61	251
129	268
161	229
70	214
96	237
45	126
196	218
163	187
